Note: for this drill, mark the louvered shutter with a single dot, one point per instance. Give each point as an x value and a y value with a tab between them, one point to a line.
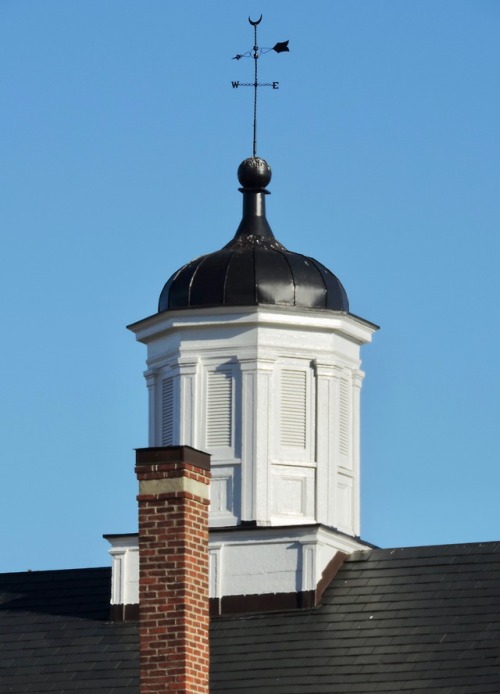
293	409
344	417
219	409
167	412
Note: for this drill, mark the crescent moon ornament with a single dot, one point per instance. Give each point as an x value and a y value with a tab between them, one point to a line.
254	24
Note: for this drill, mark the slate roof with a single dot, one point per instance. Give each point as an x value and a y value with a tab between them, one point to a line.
400	620
55	635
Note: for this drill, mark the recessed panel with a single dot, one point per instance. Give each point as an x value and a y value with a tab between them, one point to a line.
292	492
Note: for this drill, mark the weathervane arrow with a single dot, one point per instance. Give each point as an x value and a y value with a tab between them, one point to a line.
256	52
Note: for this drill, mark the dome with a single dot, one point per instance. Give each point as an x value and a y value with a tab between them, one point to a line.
251	275
254	268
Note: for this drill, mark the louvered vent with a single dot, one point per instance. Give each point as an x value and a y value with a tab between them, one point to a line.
167	412
344	417
293	408
219	408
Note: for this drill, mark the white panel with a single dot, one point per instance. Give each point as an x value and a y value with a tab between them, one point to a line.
293	408
309	570
117	586
125	570
261	568
289	495
293	492
221	492
219	409
215	570
343	515
131	584
167	412
225	497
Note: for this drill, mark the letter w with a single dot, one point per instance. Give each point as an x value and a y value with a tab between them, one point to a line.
235	84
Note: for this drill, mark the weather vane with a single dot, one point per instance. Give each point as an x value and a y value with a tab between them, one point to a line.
255	53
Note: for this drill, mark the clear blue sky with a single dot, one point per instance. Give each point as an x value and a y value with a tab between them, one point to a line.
121	136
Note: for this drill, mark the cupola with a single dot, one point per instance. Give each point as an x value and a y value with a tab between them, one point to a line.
254	358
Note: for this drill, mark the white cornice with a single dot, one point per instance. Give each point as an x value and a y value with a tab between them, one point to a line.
356	329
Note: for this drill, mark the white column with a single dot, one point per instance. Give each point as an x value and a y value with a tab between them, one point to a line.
324	434
190	408
256	421
248	427
310	568
334	467
357	381
150	376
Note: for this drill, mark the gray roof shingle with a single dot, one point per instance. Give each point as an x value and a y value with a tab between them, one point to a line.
404	620
55	635
400	620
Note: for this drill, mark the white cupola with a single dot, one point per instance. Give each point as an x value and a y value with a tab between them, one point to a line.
254	357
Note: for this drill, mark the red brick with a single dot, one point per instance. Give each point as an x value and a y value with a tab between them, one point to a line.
173	585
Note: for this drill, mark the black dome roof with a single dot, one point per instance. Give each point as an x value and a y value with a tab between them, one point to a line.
254	268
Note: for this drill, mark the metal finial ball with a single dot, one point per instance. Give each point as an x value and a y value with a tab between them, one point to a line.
254	172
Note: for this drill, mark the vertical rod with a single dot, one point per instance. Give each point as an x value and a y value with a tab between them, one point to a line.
255	57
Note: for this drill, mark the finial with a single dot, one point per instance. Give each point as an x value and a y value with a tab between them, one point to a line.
254	173
256	52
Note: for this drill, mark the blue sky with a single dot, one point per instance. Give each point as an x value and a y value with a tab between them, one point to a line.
121	136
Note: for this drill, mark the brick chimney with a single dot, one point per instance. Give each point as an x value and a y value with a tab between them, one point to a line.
173	569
